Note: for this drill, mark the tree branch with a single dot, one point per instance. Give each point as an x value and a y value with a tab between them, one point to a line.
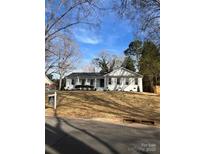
64	14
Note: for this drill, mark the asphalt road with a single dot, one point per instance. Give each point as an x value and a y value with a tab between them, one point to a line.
71	136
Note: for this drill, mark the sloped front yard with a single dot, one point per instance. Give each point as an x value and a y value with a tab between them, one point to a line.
110	106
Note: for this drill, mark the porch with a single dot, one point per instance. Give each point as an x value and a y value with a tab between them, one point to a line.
80	83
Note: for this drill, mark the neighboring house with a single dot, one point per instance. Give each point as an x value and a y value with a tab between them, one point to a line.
48	81
119	79
49	84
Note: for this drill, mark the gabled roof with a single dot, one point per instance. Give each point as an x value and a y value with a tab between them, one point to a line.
48	81
85	74
98	74
132	72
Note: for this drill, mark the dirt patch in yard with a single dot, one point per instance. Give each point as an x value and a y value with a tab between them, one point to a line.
113	106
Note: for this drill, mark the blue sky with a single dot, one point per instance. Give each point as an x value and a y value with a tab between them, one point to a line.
114	36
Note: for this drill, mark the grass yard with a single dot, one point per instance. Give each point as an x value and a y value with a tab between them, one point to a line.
107	106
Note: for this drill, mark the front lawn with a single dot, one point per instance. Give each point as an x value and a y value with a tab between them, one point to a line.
110	106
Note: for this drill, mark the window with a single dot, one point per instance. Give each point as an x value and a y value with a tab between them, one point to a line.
127	81
83	81
109	81
118	80
72	82
91	82
136	81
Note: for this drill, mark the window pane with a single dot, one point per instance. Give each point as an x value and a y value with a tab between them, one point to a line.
127	81
109	82
91	82
118	80
136	81
83	81
72	82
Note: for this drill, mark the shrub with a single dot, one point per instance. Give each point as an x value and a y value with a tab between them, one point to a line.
84	87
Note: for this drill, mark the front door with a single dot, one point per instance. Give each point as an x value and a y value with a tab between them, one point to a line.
101	82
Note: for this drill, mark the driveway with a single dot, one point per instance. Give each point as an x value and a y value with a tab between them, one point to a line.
76	136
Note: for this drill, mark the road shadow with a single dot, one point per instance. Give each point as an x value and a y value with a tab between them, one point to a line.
58	141
66	136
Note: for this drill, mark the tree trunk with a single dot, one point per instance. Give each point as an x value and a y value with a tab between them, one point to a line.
151	83
60	83
155	80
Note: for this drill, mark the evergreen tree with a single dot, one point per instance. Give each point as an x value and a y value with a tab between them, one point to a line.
129	63
148	61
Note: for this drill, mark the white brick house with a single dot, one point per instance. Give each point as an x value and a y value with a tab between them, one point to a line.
119	79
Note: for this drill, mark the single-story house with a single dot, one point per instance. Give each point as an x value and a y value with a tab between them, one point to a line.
120	79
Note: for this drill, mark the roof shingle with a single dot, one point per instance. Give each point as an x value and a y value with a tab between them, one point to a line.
85	74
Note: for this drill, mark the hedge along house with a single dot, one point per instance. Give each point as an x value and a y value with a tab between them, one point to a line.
120	79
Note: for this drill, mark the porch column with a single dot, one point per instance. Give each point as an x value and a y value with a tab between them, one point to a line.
95	83
140	84
105	85
86	81
67	83
78	80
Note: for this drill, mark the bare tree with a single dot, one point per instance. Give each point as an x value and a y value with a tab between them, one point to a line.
61	16
107	62
66	57
143	14
90	67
